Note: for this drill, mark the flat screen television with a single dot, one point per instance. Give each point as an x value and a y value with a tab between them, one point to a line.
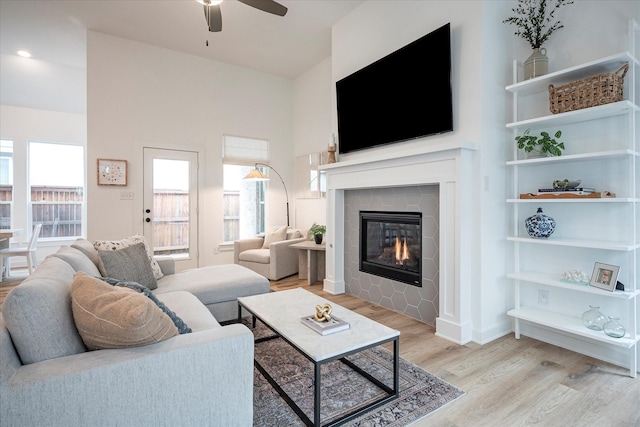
405	95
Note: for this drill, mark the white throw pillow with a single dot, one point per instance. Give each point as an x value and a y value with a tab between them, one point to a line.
275	236
114	245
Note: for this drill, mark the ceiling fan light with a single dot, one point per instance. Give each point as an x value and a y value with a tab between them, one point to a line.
210	2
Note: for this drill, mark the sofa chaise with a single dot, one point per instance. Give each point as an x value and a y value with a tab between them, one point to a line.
203	377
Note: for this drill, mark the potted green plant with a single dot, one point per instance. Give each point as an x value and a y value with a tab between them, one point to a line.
317	231
538	146
535	22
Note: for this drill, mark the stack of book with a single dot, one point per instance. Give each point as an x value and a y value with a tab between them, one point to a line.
325	328
581	191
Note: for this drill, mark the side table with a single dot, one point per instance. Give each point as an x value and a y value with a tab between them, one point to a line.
311	261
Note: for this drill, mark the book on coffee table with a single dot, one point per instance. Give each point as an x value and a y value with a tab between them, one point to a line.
325	328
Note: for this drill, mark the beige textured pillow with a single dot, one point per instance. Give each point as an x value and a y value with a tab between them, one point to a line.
113	245
274	236
116	317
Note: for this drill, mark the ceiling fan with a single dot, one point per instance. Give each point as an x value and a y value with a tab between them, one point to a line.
214	16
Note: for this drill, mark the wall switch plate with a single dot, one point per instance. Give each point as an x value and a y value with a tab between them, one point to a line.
543	297
126	195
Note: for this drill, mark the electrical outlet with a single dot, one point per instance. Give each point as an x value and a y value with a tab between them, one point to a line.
543	297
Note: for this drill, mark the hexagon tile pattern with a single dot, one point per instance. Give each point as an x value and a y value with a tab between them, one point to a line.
418	303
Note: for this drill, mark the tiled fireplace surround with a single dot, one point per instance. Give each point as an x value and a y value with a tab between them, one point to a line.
439	171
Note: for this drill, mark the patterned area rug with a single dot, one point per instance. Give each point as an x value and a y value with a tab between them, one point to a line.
343	389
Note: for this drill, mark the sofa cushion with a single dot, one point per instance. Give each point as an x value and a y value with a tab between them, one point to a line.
116	317
273	236
183	328
190	309
260	256
215	284
38	314
87	248
293	233
130	264
77	260
112	245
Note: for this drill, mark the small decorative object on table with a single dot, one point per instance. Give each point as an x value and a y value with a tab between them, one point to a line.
540	225
323	323
613	328
593	319
605	276
317	231
323	313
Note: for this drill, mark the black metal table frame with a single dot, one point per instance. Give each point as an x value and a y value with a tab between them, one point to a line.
392	392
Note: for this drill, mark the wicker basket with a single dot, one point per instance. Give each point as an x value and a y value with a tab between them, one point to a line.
589	92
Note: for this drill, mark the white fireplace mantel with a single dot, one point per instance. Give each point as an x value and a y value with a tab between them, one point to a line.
447	165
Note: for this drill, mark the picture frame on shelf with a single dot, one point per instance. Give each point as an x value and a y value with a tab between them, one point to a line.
112	172
605	276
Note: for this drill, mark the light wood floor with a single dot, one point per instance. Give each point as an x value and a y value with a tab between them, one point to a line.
507	382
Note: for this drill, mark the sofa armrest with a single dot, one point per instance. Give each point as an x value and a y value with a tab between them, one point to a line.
190	379
284	258
167	264
246	244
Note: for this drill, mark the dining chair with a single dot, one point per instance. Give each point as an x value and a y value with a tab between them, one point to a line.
29	253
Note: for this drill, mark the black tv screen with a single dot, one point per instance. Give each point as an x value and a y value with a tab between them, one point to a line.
405	95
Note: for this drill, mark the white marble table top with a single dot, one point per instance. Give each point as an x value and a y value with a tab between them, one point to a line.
283	310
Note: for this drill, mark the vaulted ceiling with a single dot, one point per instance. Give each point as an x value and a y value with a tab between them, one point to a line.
55	33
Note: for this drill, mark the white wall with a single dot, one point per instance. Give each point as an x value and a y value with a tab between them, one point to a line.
311	130
141	95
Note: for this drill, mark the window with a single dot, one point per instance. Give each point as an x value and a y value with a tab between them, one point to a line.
6	182
244	201
56	179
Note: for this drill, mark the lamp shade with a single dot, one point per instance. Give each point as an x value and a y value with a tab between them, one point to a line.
256	175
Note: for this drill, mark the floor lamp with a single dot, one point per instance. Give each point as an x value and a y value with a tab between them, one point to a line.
256	175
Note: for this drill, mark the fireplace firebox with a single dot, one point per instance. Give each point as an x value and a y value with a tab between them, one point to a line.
391	245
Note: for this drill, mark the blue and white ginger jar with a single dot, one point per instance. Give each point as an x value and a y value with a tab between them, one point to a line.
540	225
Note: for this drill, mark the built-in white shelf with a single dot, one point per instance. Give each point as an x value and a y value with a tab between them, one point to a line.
578	243
592	113
582	200
573	325
530	254
545	279
572	158
608	64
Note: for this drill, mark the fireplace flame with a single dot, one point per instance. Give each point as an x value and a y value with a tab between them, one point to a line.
402	251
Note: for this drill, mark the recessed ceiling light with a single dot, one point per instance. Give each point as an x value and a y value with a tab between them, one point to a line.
24	54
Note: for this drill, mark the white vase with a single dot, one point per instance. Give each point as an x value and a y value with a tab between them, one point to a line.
537	64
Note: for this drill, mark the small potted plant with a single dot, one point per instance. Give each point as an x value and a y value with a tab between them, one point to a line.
540	146
317	231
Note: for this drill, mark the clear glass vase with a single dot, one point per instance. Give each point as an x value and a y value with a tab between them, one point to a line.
613	328
593	319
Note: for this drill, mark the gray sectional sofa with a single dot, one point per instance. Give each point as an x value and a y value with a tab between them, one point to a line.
49	378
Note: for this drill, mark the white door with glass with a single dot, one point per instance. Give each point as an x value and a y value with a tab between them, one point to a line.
170	211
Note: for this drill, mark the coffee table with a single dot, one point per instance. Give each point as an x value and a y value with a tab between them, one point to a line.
281	312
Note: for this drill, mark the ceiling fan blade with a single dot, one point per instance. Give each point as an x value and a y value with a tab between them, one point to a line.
213	17
267	6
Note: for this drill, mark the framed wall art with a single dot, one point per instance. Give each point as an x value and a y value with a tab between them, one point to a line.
112	172
605	276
